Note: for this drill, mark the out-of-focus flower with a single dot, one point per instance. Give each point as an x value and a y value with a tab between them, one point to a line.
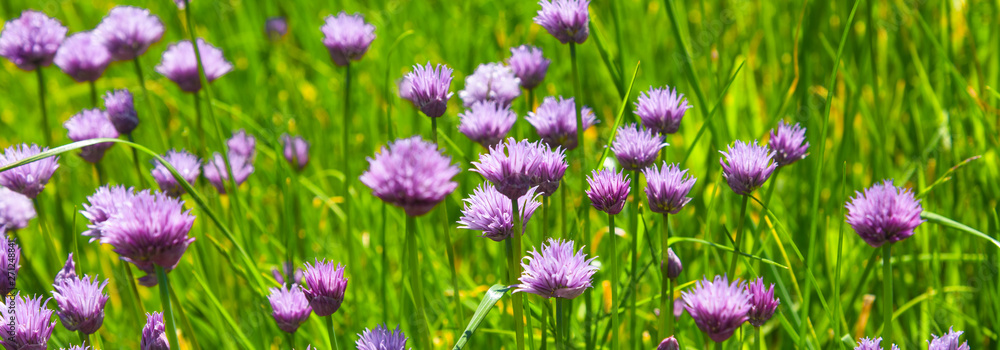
490	211
121	110
948	341
128	31
347	37
674	266
555	121
180	65
154	335
16	210
529	65
557	271
412	174
884	213
31	41
872	344
296	151
670	343
276	27
186	164
28	179
381	338
103	204
567	20
217	173
83	57
491	82
91	124
10	261
487	122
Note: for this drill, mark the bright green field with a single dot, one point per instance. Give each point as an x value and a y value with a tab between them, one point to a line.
887	89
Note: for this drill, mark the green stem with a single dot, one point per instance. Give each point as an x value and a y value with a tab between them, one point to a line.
634	232
334	344
576	94
168	313
739	237
718	345
93	94
84	339
545	326
887	294
514	271
666	300
385	263
560	344
416	284
760	343
563	210
291	340
149	102
46	128
614	281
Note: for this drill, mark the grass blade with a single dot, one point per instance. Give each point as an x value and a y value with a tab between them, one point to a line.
492	296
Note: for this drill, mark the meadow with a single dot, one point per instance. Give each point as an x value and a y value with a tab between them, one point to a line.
901	90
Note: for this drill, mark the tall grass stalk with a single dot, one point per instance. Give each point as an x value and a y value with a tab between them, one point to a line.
334	344
887	294
168	312
666	288
416	284
739	237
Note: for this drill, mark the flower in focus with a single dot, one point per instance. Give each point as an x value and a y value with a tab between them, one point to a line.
91	124
327	286
103	204
555	121
948	341
567	20
128	31
661	109
667	188
491	82
290	307
31	41
188	166
557	271
884	213
515	166
347	37
28	179
120	108
154	335
762	302
490	211
608	190
83	57
26	323
788	143
412	174
68	272
528	65
749	166
16	210
635	148
180	65
718	307
81	303
427	87
670	343
487	122
872	344
381	338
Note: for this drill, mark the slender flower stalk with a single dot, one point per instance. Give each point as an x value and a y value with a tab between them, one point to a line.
168	311
745	167
31	42
608	193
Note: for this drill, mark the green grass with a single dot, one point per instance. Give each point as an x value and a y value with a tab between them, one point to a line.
895	89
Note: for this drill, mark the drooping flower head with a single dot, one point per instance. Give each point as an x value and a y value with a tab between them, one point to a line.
16	210
83	57
636	148
296	151
10	262
661	109
26	323
28	179
555	121
567	20
948	341
31	41
516	166
347	37
608	190
81	303
276	27
487	122
872	344
91	124
674	266
180	65
120	108
491	82
670	343
490	211
529	65
788	143
128	31
412	174
381	338
186	164
152	232
749	166
290	307
427	87
667	188
884	213
762	302
154	335
327	286
557	271
217	173
103	204
68	272
718	307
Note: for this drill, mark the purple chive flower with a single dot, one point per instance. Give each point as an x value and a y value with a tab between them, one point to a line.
635	148
948	341
16	210
81	303
762	302
788	143
181	4
217	173
290	307
276	27
381	338
10	261
287	270
718	307
529	65
153	231
670	343
347	37
327	286
567	20
28	179
128	31
77	347
884	213
120	108
28	327
872	344
515	166
487	122
242	144
749	166
404	88
180	65
31	41
83	57
661	109
186	164
154	335
490	211
608	190
296	151
427	87
91	124
557	271
68	273
411	173
667	188
104	204
491	82
674	266
555	121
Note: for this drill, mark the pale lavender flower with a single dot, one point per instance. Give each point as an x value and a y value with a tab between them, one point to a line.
128	31
381	338
427	87
81	303
83	57
555	121
872	344
551	168
636	148
661	109
487	122
788	143
31	41
404	88
718	307
180	65
186	164
276	27
749	166
667	188
490	211
529	65
91	124
10	262
242	144
67	273
412	174
567	20
762	302
557	271
78	347
26	323
217	173
491	82
515	166
327	286
121	110
948	341
28	179
154	335
181	4
670	343
296	150
608	190
290	307
16	210
103	204
884	213
347	37
674	266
